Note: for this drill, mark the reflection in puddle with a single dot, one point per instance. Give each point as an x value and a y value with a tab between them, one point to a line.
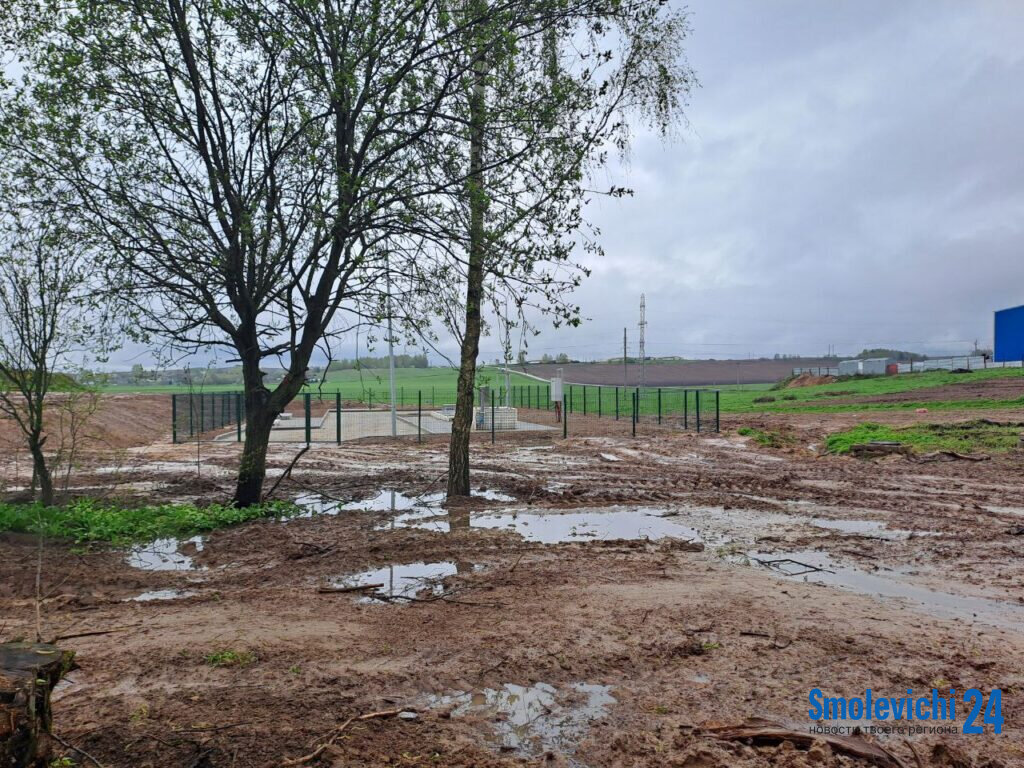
164	554
385	501
536	719
408	580
556	527
893	584
162	594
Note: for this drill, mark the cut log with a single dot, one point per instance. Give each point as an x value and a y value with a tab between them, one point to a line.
28	673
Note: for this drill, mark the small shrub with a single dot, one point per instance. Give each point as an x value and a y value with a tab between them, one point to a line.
230	658
764	399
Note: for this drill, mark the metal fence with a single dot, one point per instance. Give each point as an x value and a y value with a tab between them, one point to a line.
331	417
966	362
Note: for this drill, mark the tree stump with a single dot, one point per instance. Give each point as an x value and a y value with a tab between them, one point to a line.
28	673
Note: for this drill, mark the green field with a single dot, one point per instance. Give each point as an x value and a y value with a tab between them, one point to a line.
355	384
594	400
438	385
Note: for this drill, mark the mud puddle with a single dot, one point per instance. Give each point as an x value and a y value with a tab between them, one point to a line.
402	581
533	720
165	555
559	527
162	594
386	500
819	568
872	529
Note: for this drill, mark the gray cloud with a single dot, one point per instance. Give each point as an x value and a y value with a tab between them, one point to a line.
852	175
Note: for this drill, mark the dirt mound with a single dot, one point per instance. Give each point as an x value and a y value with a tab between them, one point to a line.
810	380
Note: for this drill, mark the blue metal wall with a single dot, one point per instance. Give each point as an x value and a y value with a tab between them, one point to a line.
1009	334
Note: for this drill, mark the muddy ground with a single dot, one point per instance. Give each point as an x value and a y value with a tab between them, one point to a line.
604	601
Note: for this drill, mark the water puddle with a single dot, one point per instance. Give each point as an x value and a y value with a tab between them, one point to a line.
532	720
162	594
558	527
165	554
386	501
819	568
402	581
871	529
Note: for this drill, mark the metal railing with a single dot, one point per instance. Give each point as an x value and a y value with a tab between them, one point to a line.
331	417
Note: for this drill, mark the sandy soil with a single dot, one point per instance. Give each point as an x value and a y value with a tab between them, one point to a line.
614	647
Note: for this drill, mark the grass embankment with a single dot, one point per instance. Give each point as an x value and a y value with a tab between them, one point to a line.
88	521
965	437
819	399
604	400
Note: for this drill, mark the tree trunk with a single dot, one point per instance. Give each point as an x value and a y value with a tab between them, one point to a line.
28	673
40	472
261	408
252	468
462	423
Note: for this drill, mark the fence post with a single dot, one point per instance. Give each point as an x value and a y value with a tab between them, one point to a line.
174	418
659	405
636	397
718	410
696	394
492	421
565	418
584	399
571	398
599	401
238	424
616	403
337	417
306	406
686	409
419	415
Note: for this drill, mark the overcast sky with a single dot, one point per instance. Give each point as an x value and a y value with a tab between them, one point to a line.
852	174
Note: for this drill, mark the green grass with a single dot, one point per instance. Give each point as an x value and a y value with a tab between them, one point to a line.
90	521
353	384
768	438
819	399
593	400
963	437
230	658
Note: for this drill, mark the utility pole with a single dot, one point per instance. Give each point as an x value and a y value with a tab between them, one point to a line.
625	365
643	352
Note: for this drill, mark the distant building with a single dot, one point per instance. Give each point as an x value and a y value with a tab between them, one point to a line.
873	366
1009	333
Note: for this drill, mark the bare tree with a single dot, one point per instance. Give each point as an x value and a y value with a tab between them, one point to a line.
47	314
